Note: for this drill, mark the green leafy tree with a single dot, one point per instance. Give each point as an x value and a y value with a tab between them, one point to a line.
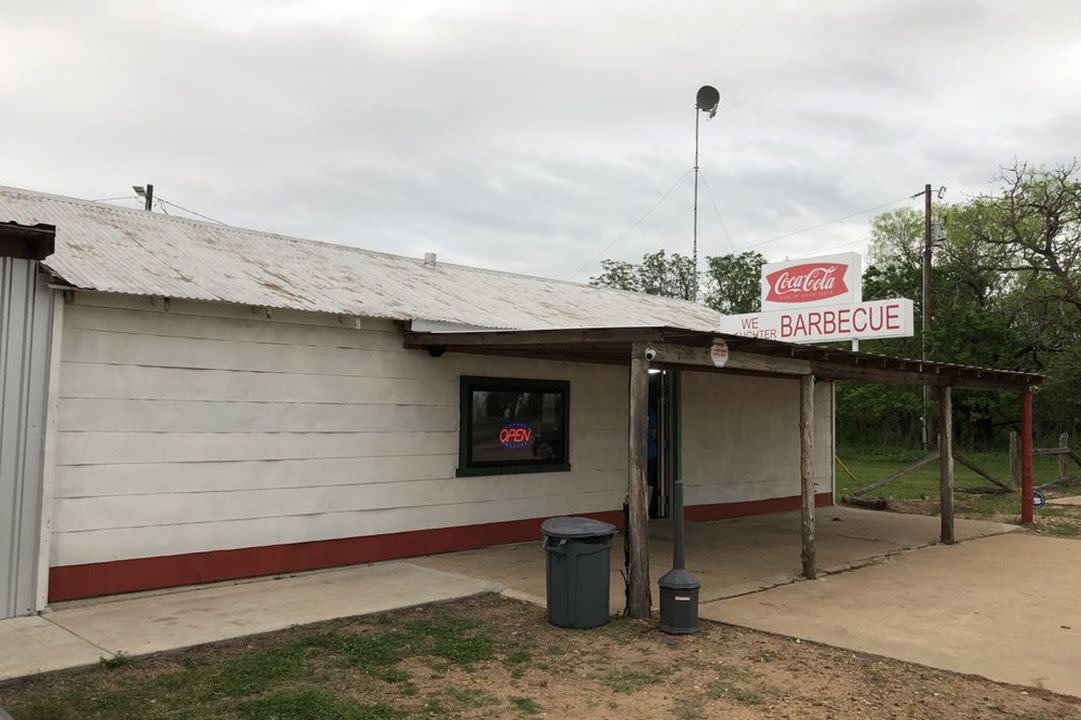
733	282
658	274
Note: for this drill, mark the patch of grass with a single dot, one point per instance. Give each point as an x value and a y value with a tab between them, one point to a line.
742	695
459	641
453	640
517	662
119	660
689	708
526	706
313	705
555	650
629	681
877	463
616	625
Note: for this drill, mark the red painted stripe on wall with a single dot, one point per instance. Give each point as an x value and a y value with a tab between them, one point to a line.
72	582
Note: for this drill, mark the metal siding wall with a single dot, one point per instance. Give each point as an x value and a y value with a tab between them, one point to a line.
25	324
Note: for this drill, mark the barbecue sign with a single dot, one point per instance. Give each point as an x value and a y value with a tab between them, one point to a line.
814	300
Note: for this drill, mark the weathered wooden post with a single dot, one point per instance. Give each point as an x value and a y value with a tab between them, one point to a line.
1026	457
638	597
1015	460
945	465
1064	457
806	471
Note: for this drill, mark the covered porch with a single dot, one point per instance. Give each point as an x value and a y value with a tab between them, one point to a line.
641	349
732	557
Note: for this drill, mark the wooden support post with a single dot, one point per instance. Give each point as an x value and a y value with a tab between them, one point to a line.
1026	457
1015	460
806	471
639	601
1064	458
945	465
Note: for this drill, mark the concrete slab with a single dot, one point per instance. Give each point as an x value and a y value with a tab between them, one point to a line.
81	633
730	557
33	645
180	619
1001	607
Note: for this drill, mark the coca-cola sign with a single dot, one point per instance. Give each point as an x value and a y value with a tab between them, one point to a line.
812	282
807	283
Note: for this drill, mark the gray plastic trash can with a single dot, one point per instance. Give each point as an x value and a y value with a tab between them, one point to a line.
578	551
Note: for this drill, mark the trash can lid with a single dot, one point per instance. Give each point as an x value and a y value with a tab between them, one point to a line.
576	527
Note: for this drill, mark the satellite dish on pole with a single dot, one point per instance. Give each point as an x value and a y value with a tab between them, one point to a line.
707	99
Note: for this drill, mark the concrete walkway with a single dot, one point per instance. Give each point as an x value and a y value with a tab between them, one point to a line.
730	557
81	633
1003	607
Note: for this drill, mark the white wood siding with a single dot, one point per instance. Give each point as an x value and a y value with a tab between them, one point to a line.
206	427
741	438
202	426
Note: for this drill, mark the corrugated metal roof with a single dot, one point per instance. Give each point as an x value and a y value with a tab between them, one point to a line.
112	249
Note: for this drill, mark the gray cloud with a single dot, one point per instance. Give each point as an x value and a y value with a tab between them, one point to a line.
530	136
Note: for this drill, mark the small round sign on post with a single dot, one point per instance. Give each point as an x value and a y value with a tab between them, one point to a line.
719	352
1038	499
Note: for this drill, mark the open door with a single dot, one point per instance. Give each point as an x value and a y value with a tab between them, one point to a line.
660	450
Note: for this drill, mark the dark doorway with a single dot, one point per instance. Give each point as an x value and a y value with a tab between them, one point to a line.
659	447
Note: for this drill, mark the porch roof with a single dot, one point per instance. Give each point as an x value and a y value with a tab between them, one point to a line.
679	347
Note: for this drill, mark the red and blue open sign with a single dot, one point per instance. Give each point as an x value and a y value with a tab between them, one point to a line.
515	435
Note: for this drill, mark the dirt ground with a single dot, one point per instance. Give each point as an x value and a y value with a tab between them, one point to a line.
490	656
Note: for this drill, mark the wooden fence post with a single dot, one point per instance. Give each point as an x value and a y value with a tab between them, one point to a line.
1026	457
806	468
1064	458
1015	460
945	464
639	599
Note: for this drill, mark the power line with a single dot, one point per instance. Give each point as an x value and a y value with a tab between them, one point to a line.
190	212
717	210
636	223
827	222
121	197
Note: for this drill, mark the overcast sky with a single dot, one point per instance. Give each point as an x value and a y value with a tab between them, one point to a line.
532	136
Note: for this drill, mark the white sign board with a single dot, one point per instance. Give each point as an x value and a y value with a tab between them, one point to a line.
812	282
719	352
866	320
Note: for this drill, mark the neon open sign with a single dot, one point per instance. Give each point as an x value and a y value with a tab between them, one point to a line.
515	435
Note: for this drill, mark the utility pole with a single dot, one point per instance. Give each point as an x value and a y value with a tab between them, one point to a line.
928	306
694	250
147	193
706	100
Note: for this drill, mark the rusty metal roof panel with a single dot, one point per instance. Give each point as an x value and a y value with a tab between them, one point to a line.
111	249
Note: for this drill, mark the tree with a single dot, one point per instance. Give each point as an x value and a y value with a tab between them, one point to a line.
618	274
733	282
657	274
897	239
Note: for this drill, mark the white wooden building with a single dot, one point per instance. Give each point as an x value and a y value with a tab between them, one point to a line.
224	403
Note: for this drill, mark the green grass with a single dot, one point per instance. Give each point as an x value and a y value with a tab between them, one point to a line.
313	705
263	683
871	464
526	706
119	660
921	485
629	681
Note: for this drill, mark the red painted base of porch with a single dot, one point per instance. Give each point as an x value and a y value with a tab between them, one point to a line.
72	582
